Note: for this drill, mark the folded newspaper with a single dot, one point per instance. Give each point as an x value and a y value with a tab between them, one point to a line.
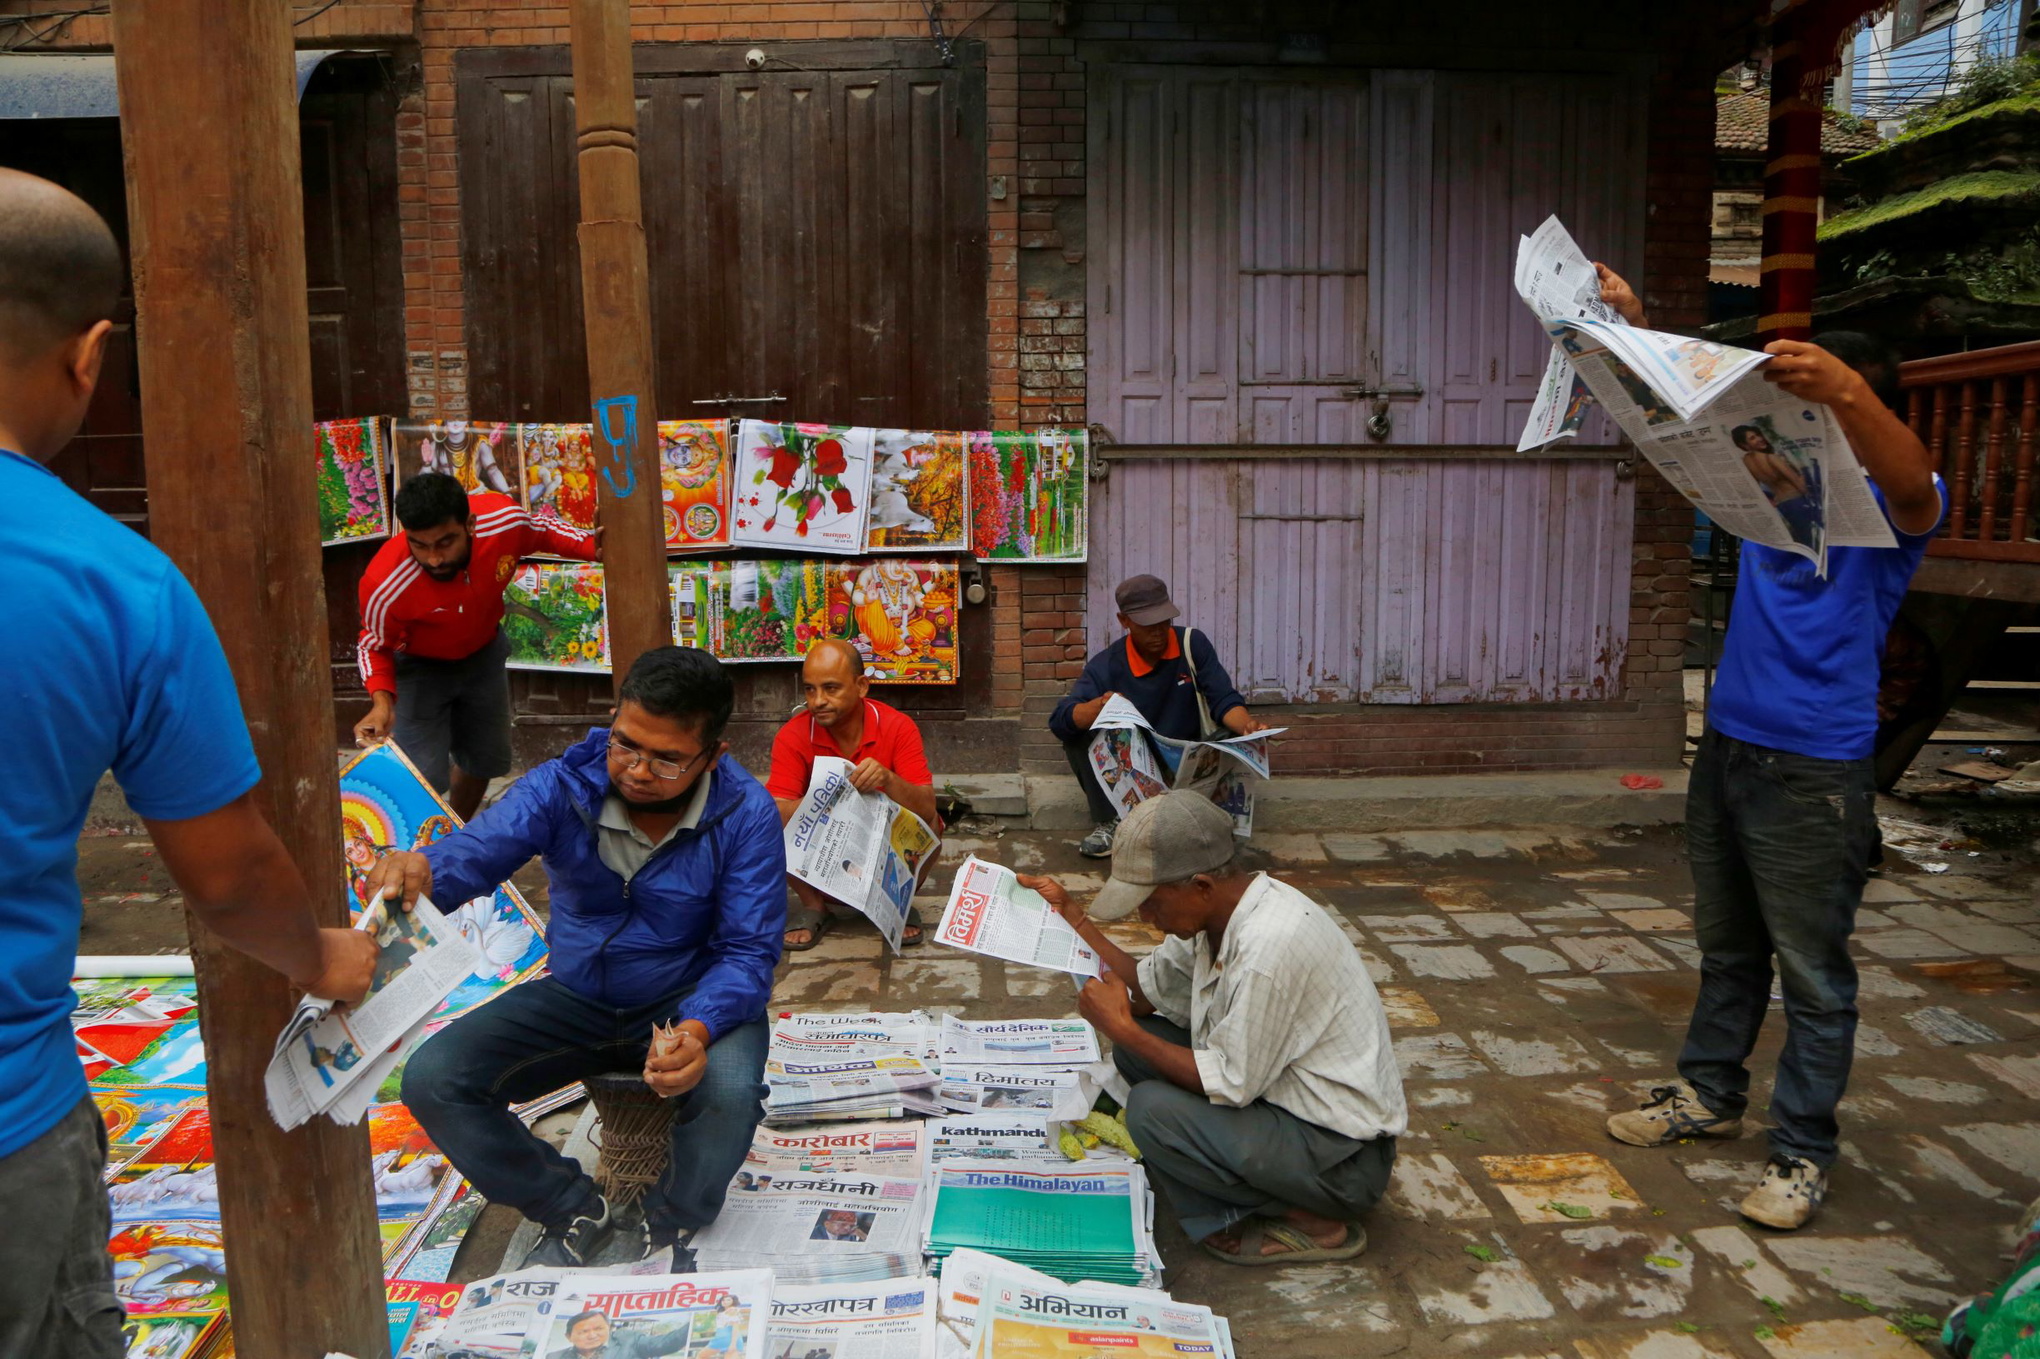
800	1089
331	1059
1039	1091
887	1319
632	1317
989	912
1132	763
862	849
1019	1042
817	1226
1018	1316
1096	1222
1759	461
895	1148
967	1276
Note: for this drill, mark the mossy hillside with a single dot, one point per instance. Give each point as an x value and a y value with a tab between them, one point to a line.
1979	189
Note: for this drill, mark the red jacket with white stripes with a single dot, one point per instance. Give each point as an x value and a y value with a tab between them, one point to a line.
403	609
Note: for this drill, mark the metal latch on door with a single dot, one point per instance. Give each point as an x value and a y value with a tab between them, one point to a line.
1381	424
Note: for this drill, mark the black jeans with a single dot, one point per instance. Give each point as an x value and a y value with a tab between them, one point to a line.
1778	844
539	1036
56	1280
1079	755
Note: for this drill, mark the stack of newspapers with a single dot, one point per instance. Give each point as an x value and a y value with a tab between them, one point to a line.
857	1066
1089	1221
991	1307
817	1226
1040	1068
565	1311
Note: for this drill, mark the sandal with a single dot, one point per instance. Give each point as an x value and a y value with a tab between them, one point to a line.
801	917
1302	1250
913	922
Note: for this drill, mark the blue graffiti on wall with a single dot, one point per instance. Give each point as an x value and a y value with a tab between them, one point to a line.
616	421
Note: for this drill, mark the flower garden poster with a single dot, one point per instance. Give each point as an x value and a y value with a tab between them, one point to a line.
353	487
480	455
1029	496
554	618
802	487
694	481
559	472
769	610
918	496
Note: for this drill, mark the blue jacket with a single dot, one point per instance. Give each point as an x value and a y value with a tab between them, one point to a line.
706	912
1165	695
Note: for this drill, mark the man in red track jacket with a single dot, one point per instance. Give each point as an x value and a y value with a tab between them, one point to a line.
432	647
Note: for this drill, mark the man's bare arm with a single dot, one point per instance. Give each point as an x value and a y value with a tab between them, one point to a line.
1889	451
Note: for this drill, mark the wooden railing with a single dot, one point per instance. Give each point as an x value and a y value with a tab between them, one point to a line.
1979	416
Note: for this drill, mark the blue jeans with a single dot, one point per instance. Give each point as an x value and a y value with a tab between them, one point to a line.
1780	847
539	1036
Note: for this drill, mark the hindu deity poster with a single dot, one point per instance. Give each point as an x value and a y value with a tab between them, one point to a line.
769	610
481	455
801	487
555	618
918	493
354	499
694	481
900	615
559	472
1030	495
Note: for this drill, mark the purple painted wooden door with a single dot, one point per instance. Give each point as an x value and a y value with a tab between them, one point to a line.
1269	245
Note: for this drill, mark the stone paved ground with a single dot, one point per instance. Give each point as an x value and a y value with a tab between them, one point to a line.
1535	982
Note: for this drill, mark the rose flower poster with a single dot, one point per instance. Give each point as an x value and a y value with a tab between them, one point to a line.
803	487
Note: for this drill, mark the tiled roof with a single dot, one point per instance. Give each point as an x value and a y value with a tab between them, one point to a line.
1742	122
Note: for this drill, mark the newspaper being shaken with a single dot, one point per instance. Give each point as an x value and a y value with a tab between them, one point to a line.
331	1059
1132	763
895	1149
1762	463
722	1314
887	1319
989	912
862	849
1019	1042
817	1227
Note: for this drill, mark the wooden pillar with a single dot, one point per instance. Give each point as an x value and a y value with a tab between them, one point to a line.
1791	209
216	224
616	307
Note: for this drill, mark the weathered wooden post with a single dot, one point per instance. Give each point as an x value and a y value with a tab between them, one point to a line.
616	308
216	221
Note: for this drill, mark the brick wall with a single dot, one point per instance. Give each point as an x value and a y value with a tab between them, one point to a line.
1035	317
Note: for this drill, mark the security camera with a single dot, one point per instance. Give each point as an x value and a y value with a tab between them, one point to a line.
755	58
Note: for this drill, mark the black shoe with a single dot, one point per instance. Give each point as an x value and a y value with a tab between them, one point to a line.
573	1243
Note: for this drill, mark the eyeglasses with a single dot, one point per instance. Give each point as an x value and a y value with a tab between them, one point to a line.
662	769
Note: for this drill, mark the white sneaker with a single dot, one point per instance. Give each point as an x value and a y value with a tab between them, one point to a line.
1788	1195
1098	844
1674	1112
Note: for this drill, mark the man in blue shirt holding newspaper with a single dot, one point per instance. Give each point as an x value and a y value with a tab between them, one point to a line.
1780	814
667	874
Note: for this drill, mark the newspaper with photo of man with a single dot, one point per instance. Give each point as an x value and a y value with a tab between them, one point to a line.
1133	763
863	849
710	1316
1761	463
816	1226
330	1058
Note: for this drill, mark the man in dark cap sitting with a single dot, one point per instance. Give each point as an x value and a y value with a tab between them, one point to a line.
1172	674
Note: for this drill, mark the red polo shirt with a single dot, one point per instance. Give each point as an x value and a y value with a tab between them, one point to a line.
890	737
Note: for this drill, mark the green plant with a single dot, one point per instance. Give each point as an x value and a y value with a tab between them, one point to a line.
1987	82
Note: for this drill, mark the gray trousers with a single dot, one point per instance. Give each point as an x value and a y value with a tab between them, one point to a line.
455	712
56	1280
1219	1165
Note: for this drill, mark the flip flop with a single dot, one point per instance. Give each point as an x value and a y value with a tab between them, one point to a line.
913	922
1302	1250
816	923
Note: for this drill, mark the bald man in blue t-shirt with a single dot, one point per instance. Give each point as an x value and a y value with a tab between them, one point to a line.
1780	814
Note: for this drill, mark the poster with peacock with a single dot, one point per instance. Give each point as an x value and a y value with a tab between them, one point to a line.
919	487
1029	496
802	488
353	479
555	619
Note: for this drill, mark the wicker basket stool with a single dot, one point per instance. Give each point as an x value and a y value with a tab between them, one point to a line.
634	1137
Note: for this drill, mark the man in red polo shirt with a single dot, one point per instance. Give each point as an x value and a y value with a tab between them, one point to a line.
432	649
884	748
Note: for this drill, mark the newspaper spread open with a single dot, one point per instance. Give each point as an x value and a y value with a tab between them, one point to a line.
886	1319
1038	1091
863	849
1558	282
330	1060
895	1149
1019	1317
723	1314
989	912
1132	763
1019	1042
817	1225
1763	464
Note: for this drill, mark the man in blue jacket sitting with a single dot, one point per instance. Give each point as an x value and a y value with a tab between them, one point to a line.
668	882
1162	670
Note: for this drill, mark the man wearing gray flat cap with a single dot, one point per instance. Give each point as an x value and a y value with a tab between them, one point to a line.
1171	674
1263	1090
